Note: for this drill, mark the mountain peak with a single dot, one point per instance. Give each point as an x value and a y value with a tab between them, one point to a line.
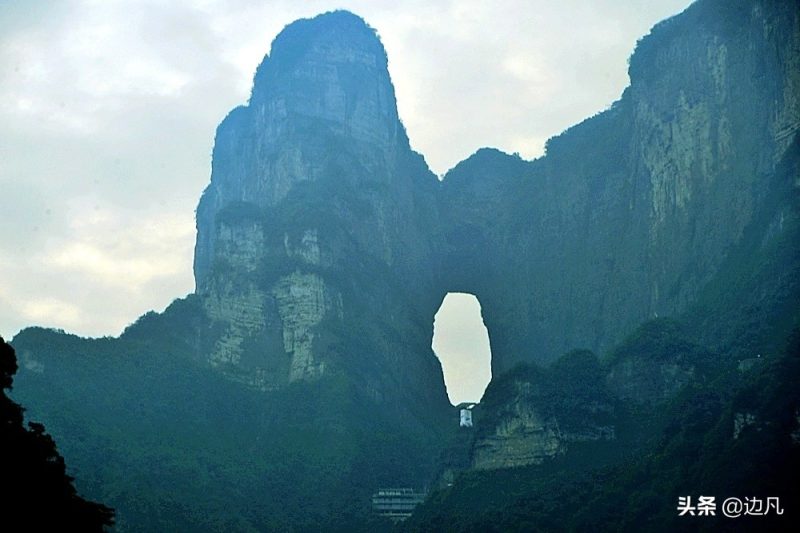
331	67
346	37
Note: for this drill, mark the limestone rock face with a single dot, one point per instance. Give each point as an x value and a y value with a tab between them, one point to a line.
312	237
325	84
741	421
526	437
650	207
303	301
532	414
321	222
521	438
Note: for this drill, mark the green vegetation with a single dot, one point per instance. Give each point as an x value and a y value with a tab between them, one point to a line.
572	388
149	428
694	452
37	492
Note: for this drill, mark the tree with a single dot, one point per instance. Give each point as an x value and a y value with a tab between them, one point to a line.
35	491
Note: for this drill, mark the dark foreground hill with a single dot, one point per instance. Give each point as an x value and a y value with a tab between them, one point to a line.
37	493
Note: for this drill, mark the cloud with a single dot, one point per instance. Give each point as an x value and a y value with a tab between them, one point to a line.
121	252
107	268
47	308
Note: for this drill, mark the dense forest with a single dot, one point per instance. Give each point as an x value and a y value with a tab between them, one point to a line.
731	433
37	492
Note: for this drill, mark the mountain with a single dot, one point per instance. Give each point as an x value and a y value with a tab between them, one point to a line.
654	207
614	462
312	249
299	378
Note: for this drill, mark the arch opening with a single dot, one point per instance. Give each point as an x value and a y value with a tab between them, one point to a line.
461	342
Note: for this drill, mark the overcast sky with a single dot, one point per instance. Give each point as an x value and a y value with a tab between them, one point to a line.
108	110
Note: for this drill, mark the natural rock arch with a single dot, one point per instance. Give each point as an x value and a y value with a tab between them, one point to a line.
325	242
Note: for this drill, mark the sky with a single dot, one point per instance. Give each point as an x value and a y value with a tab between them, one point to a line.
461	341
108	110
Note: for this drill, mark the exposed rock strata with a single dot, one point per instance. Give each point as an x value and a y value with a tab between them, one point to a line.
631	215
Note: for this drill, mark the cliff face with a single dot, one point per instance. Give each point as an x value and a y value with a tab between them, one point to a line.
634	213
533	414
319	219
325	84
316	221
734	435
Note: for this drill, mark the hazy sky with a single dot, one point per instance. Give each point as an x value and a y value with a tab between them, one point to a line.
108	110
461	341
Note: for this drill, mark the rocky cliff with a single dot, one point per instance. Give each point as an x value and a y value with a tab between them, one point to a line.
735	434
532	414
639	211
318	213
312	247
629	216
